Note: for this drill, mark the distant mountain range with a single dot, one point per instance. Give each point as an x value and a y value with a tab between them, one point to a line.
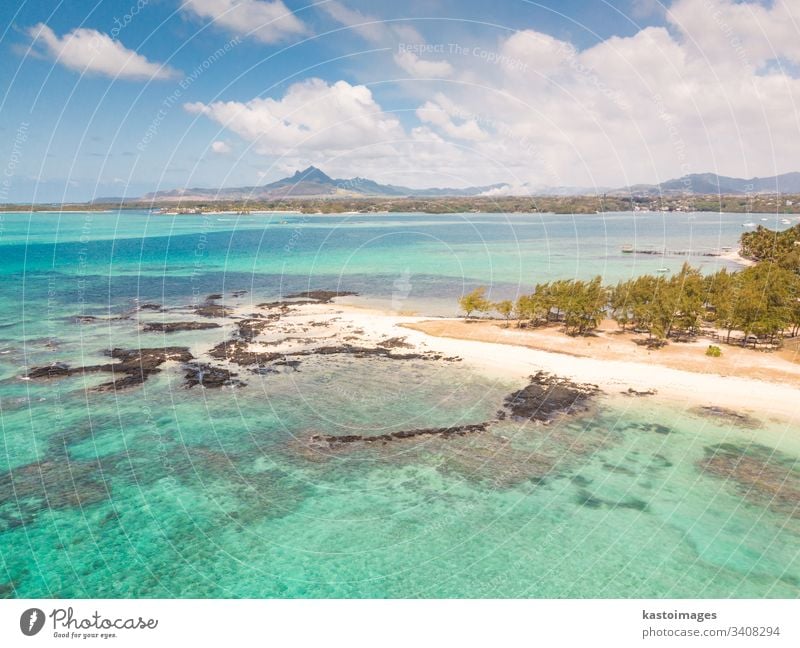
711	183
314	183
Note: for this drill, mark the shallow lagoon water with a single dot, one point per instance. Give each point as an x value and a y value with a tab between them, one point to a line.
164	491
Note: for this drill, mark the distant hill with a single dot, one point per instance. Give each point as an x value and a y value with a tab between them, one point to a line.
711	183
313	183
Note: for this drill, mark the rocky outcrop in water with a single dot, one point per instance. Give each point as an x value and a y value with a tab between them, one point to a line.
173	327
239	353
728	415
639	393
135	365
250	328
206	375
445	432
395	343
548	396
212	310
322	296
367	352
543	399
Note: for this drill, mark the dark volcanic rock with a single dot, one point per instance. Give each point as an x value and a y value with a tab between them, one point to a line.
395	343
84	319
212	310
728	415
150	306
239	293
213	296
292	364
548	396
248	329
366	352
55	370
172	327
633	392
207	375
139	364
446	432
321	296
135	365
236	351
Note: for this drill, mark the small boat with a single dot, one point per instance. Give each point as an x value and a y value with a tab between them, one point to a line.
663	270
763	219
786	221
749	224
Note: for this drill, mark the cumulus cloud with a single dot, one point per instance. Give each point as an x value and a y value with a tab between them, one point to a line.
738	33
92	52
268	21
221	147
311	116
712	91
422	68
715	89
451	119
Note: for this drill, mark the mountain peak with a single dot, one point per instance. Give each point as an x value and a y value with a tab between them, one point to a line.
311	174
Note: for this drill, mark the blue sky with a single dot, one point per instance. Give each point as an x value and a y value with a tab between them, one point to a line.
241	92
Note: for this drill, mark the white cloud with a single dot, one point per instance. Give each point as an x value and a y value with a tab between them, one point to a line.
422	68
91	52
738	33
312	116
371	29
221	147
450	119
701	94
268	21
704	94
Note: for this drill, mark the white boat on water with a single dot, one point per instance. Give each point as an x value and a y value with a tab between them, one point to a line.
749	224
786	221
663	270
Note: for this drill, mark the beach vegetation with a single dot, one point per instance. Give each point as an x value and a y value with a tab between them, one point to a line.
505	308
760	304
475	301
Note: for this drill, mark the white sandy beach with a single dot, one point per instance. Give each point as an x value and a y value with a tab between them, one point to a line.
344	323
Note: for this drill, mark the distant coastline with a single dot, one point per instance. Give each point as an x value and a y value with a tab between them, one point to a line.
761	204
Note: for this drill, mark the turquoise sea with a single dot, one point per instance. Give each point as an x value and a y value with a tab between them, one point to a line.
163	491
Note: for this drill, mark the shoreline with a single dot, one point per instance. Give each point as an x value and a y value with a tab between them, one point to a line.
735	257
768	386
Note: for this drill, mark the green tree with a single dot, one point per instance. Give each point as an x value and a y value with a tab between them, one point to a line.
687	290
475	301
620	303
583	304
505	308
